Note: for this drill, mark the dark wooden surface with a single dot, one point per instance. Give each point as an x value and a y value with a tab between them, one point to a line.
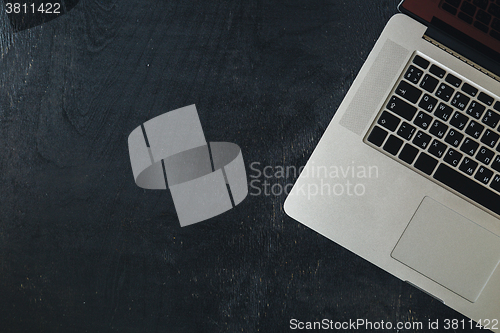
83	249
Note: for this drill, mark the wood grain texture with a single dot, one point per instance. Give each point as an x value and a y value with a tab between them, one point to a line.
83	249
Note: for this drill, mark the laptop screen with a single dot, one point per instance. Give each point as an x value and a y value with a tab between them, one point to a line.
475	23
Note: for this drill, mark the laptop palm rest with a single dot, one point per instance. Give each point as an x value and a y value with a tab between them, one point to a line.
449	249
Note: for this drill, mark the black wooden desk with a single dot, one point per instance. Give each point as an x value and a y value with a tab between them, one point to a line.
83	249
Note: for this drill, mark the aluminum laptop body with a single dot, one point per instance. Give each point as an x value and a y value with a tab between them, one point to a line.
366	186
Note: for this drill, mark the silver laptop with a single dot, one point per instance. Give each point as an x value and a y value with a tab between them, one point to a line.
407	174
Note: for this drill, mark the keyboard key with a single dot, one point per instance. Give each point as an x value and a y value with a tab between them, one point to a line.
408	153
452	157
401	108
481	27
454	3
497	106
468	187
444	92
474	129
454	137
406	130
495	34
439	72
468	89
418	60
408	91
494	10
413	74
495	183
481	3
453	80
449	9
483	175
422	120
468	8
460	100
486	99
377	136
496	24
483	17
490	138
476	109
443	111
468	166
389	121
437	148
427	103
491	118
469	146
438	128
484	155
429	83
459	120
422	140
425	163
393	144
496	163
464	17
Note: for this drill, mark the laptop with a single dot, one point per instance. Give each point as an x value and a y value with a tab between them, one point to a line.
407	174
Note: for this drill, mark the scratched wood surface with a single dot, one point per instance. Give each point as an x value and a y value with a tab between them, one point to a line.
83	249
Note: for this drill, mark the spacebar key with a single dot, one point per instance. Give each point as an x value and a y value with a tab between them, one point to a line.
468	187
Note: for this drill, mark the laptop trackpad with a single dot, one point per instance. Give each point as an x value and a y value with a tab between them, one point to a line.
449	249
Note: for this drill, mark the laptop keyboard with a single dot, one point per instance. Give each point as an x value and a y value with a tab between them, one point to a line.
482	14
444	127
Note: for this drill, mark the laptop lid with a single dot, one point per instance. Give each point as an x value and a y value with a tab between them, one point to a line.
470	30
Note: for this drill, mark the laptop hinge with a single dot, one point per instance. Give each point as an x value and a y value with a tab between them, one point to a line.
478	56
464	59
